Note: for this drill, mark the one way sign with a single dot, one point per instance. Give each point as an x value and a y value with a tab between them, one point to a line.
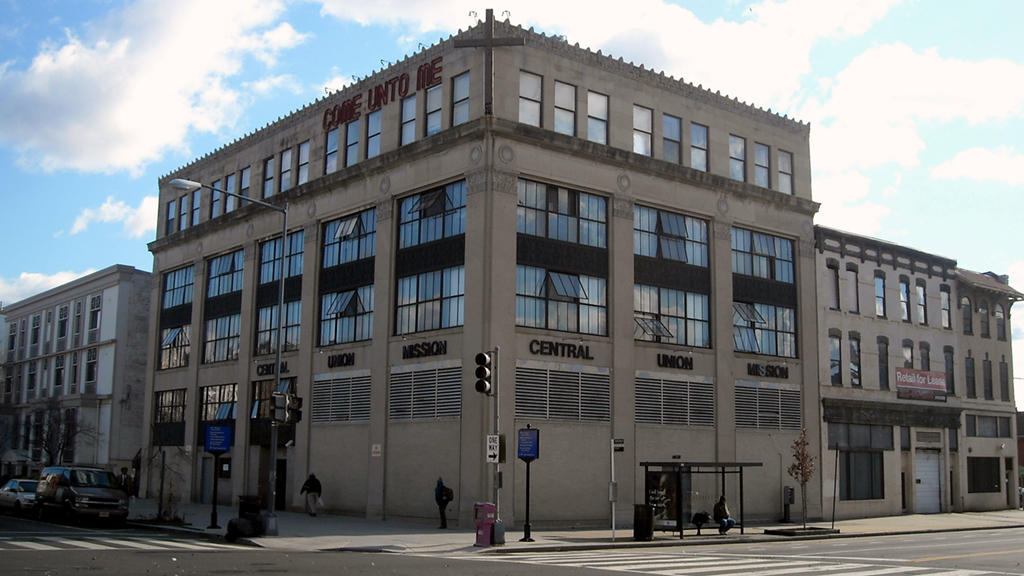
493	448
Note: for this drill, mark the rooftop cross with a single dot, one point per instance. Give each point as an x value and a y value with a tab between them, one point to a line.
488	42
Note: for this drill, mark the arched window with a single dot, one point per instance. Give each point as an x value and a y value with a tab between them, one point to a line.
1000	322
983	318
965	307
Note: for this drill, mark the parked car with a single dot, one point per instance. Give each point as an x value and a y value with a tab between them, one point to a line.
18	495
73	493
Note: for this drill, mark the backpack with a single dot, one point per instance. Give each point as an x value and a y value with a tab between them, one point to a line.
448	494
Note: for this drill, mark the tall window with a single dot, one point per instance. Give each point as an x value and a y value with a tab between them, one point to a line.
672	139
764	329
286	169
904	299
430	301
565	108
331	152
183	210
983	318
597	117
352	143
561	301
926	356
33	346
972	389
243	185
561	214
170	406
643	129
408	120
737	158
922	303
174	346
671	236
460	99
225	274
879	294
1004	380
197	199
762	163
268	177
229	200
95	303
762	255
346	316
218	402
699	147
965	307
58	376
854	276
350	238
62	329
178	287
171	215
671	316
432	215
91	370
861	449
944	303
883	363
303	175
266	328
986	379
908	354
373	134
222	338
785	172
855	379
433	115
1000	323
835	359
947	353
833	281
529	98
73	375
270	257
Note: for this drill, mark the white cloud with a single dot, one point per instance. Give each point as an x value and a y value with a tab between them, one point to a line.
843	206
337	80
1001	165
31	283
134	86
271	83
137	221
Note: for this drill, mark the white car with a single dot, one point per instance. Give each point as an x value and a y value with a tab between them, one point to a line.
18	495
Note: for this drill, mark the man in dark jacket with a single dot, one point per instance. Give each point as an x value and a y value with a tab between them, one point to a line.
443	495
311	487
721	515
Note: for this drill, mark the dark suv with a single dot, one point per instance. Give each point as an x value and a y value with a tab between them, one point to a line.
73	492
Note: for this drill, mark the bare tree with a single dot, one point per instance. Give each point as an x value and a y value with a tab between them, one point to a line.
802	469
8	430
61	431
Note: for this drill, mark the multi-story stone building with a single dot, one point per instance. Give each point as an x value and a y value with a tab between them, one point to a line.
74	372
640	249
906	425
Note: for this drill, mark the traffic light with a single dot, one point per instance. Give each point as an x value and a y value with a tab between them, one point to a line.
483	373
280	407
294	415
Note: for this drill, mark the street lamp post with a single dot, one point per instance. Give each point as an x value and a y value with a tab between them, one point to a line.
189	185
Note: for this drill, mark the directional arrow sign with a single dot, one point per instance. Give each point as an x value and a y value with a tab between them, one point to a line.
492	448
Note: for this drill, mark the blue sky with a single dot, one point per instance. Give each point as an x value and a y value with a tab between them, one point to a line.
916	107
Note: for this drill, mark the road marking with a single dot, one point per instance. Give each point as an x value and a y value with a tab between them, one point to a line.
129	543
78	543
180	544
973	555
33	545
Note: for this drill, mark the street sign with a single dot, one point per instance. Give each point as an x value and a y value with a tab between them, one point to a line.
493	448
529	444
218	439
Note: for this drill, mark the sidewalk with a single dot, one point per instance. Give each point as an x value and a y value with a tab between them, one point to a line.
301	532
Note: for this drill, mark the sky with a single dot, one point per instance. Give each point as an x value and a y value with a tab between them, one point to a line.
916	106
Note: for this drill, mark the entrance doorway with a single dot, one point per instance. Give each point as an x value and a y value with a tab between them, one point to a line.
927	479
282	484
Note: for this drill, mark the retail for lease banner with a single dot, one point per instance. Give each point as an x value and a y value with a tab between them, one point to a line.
920	385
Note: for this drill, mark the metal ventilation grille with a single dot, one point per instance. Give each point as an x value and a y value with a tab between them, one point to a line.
426	394
562	395
929	437
341	400
674	402
764	407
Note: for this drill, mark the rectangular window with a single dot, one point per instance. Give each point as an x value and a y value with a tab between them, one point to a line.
286	169
561	214
33	346
266	328
218	402
174	346
922	304
178	287
565	108
268	177
352	143
215	199
762	255
880	296
433	102
861	476
30	383
883	365
972	390
947	316
671	139
926	357
643	129
904	300
170	406
346	316
833	280
855	379
698	147
62	330
785	172
408	120
597	117
222	338
560	301
908	354
197	199
73	385
670	236
350	238
225	274
262	394
430	301
91	371
767	406
671	316
95	303
764	329
835	360
1004	382
270	258
58	376
432	215
172	215
948	357
529	98
373	134
183	211
987	426
331	152
243	186
229	200
460	99
983	475
737	158
986	379
761	165
854	291
303	175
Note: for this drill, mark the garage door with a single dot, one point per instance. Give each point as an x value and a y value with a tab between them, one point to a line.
926	469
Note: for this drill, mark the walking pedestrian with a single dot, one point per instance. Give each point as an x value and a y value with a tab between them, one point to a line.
124	482
443	495
312	488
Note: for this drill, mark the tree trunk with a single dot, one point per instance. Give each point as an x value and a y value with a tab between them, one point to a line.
803	502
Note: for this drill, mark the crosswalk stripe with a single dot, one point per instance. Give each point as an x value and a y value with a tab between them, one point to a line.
887	570
79	543
129	543
33	545
811	568
730	567
176	544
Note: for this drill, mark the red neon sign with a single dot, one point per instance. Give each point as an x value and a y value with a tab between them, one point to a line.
390	90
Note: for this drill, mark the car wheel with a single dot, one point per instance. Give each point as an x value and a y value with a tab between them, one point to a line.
69	515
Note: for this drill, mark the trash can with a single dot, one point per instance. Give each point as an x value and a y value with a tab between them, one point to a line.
483	517
249	505
643	522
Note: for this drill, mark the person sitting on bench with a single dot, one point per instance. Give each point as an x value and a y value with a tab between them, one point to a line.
721	515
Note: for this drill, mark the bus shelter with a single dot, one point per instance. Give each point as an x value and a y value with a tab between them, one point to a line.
676	490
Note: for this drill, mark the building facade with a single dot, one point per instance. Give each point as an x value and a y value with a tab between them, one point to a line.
74	370
638	249
917	401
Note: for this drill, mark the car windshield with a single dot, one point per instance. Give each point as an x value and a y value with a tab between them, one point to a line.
29	485
93	479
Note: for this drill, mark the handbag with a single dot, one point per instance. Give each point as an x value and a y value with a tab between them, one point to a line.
319	502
